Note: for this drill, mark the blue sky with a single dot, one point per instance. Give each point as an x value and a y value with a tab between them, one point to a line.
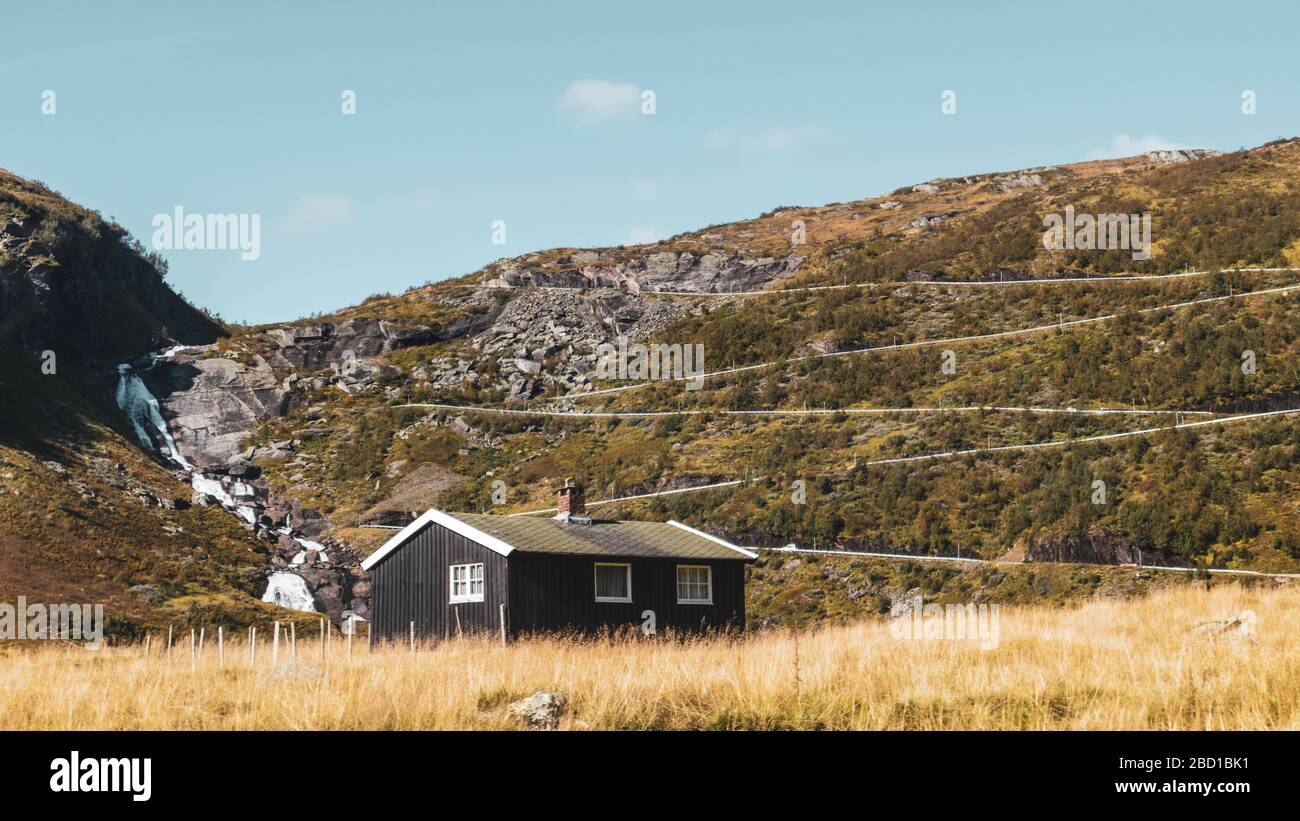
531	113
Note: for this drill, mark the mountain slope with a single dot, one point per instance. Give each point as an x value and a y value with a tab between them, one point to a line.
86	515
354	444
456	393
74	283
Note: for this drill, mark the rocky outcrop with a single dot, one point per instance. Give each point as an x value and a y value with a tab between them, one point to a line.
1180	155
316	346
1096	547
927	220
285	530
1018	182
542	338
712	272
212	403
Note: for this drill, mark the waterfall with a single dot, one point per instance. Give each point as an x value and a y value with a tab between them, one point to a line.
141	407
289	590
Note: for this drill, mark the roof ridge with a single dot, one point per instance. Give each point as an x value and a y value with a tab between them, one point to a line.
630	539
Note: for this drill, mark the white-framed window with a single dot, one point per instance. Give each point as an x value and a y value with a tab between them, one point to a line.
466	582
613	582
694	584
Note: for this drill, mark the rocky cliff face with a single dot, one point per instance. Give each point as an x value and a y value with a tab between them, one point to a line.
1096	547
211	403
717	271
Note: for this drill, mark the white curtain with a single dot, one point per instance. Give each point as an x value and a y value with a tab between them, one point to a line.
611	581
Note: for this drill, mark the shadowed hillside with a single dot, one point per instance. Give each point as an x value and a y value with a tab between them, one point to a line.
86	515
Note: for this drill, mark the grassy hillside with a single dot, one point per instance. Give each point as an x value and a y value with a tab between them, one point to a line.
808	589
1223	496
885	270
88	517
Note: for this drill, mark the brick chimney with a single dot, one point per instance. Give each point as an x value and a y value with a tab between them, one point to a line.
570	500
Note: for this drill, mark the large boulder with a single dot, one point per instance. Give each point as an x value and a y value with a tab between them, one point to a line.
540	711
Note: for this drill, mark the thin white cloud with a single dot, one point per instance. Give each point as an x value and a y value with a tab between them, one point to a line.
102	50
423	202
720	138
313	214
772	140
317	214
643	190
642	235
1125	146
594	102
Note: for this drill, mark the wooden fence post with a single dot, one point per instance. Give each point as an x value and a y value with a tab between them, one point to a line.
193	661
169	642
252	647
293	639
275	646
503	625
147	638
322	639
412	638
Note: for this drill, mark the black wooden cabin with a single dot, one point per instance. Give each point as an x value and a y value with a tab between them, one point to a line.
452	573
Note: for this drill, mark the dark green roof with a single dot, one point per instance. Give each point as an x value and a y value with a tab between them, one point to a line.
649	540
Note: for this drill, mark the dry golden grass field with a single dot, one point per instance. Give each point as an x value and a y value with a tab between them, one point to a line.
1112	664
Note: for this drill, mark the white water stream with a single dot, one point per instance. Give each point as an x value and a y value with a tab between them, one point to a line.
140	406
289	590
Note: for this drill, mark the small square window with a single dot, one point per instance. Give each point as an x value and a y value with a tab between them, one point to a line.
613	582
694	584
466	583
